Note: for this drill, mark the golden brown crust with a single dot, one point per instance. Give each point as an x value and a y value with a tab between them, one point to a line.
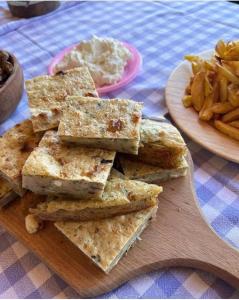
138	170
47	95
16	145
110	124
165	133
119	197
161	145
106	241
160	155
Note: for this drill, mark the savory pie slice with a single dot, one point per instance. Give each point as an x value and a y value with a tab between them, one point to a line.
47	95
76	171
7	194
161	144
102	123
106	241
148	173
120	197
15	147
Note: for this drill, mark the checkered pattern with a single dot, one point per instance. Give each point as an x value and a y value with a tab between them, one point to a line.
163	32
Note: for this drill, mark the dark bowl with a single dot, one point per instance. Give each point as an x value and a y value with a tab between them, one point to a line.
29	9
11	91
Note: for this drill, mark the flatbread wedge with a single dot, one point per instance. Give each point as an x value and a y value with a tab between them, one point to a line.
102	123
120	197
161	144
7	194
106	241
47	95
138	170
15	147
76	171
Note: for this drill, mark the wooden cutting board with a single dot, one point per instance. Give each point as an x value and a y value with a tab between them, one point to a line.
187	118
178	237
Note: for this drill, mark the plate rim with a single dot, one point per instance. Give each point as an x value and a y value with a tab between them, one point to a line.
187	131
137	63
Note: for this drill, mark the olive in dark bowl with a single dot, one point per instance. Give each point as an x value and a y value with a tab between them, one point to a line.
11	84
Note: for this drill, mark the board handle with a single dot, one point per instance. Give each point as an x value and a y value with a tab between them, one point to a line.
211	253
217	256
224	272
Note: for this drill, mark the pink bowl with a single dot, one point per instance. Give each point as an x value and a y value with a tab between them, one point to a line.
131	70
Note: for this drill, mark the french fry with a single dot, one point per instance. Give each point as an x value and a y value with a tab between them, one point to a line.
228	74
213	90
187	100
227	129
196	67
205	114
209	66
223	89
208	87
193	58
197	90
216	93
231	116
188	90
222	108
232	53
234	124
197	63
233	94
232	65
220	48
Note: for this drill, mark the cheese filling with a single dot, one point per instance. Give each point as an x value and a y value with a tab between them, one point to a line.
105	58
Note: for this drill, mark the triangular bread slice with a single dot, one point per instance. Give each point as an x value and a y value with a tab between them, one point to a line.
120	197
138	170
47	95
106	241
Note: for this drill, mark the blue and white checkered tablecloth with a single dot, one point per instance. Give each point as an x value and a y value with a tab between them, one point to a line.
163	32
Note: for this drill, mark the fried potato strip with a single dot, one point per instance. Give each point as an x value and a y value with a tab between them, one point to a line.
213	90
227	129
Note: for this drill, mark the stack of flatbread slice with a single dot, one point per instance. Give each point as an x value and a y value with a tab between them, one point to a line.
65	156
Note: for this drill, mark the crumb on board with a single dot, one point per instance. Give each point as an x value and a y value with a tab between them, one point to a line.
33	223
